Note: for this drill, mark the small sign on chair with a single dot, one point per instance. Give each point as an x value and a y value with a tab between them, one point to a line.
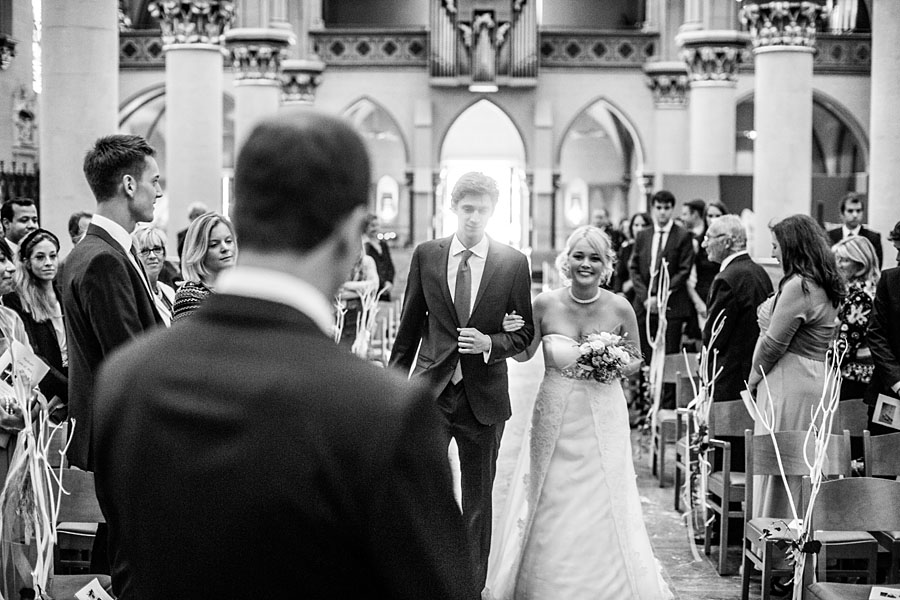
887	413
94	591
883	593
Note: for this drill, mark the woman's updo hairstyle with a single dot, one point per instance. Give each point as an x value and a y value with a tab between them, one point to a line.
598	241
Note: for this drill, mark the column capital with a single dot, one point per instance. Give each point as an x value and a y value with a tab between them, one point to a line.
257	54
7	51
669	83
712	55
299	80
192	21
783	23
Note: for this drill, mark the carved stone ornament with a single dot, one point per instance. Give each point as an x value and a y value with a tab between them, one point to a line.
783	23
669	83
24	118
192	21
712	55
299	80
256	54
7	51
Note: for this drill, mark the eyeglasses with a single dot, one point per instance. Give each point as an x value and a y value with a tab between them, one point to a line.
158	250
709	238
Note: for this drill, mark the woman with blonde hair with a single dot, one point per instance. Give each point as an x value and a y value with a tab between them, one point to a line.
572	526
858	263
150	244
209	249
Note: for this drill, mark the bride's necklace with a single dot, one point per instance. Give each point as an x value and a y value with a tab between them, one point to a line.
584	301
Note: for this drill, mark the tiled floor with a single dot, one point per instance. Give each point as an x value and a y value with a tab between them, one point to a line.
689	579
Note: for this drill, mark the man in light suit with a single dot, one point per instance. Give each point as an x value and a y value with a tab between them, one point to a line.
852	208
106	295
668	242
737	290
243	451
457	292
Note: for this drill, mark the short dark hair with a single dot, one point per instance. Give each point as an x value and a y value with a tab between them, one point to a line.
5	250
297	177
696	206
475	184
7	212
663	197
113	157
852	198
75	219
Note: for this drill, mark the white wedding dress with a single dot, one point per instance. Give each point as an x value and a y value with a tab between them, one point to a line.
572	527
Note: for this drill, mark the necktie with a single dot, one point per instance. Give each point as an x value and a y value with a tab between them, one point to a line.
461	300
659	252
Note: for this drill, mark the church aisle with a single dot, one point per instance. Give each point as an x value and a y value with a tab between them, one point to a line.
689	580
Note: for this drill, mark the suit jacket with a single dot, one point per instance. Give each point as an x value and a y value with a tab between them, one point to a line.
679	252
736	291
837	234
884	336
429	316
243	449
45	344
106	304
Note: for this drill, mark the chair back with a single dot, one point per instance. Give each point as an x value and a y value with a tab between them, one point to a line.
729	418
856	504
56	457
80	505
684	390
852	415
675	365
882	454
760	457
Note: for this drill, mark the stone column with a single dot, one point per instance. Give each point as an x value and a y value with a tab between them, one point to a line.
256	54
884	132
669	82
80	61
192	32
783	35
542	189
712	58
299	79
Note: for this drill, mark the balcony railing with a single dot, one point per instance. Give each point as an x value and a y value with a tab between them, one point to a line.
372	47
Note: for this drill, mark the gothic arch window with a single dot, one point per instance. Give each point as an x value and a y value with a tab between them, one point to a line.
384	138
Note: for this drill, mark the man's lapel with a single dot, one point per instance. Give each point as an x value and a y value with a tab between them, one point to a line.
490	266
444	257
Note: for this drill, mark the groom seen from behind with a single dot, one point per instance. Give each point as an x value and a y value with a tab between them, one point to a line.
457	292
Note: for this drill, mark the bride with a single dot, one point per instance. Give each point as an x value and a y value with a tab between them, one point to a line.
572	527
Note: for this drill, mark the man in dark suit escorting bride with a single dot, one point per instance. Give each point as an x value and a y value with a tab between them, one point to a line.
458	290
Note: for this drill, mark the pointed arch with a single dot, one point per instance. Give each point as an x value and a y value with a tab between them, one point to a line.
622	120
496	105
363	107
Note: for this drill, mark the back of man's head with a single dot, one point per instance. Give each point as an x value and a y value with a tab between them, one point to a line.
111	158
297	177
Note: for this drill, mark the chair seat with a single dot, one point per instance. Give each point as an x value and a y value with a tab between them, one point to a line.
77	528
760	524
738	479
63	587
842	591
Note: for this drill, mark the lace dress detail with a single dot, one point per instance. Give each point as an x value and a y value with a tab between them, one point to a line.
572	527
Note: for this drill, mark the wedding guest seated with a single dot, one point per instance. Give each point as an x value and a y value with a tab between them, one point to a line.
209	249
36	301
150	244
242	452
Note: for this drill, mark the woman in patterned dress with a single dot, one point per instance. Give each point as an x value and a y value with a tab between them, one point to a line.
209	249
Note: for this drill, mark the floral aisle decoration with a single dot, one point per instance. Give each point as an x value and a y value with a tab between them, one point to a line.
657	343
696	485
604	357
365	323
800	546
340	312
30	499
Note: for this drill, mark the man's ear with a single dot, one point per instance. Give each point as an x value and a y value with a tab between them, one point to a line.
129	185
350	232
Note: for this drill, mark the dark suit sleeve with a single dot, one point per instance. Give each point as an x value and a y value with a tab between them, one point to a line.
722	300
503	344
107	296
414	528
887	363
879	251
412	319
634	269
679	272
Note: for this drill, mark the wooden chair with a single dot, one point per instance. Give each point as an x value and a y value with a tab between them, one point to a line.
760	459
726	419
850	505
79	513
882	459
664	431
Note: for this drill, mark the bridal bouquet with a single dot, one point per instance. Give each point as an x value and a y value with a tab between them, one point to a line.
604	357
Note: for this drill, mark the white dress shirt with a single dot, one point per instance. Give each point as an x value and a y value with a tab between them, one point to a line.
850	232
278	286
122	237
476	266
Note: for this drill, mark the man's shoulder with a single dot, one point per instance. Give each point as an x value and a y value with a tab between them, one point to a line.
836	234
870	233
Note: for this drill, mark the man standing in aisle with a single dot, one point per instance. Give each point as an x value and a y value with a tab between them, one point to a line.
457	292
243	452
883	338
669	243
852	208
106	295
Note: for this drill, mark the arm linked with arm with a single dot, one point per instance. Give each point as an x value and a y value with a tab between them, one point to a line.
507	344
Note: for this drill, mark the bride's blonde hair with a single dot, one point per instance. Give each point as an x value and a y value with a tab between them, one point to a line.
598	241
